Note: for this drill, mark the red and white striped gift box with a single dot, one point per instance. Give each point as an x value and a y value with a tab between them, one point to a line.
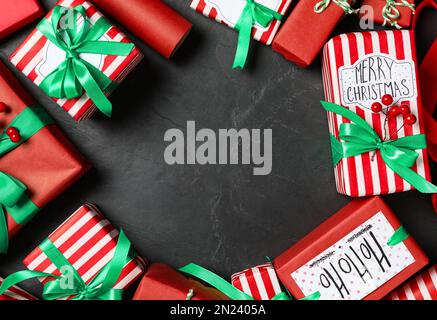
228	12
16	293
358	68
88	242
35	57
423	287
261	282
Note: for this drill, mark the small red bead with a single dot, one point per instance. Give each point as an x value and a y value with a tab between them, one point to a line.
15	138
393	112
12	131
387	99
376	107
405	109
3	107
410	119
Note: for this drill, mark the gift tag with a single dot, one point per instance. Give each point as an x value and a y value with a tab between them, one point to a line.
356	265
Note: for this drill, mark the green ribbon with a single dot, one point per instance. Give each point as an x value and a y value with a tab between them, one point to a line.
391	13
221	284
313	296
99	288
399	236
253	12
74	75
344	4
359	138
13	193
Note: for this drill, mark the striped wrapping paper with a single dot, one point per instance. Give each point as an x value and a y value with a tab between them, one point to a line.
88	241
367	174
15	293
423	287
261	282
32	58
228	12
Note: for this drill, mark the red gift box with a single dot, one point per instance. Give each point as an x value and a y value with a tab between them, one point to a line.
359	69
15	293
422	287
88	241
162	282
47	163
356	254
305	31
376	15
154	22
16	14
261	282
38	58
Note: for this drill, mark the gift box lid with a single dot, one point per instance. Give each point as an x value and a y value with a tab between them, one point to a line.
350	223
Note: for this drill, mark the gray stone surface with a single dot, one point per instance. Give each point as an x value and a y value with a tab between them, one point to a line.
221	217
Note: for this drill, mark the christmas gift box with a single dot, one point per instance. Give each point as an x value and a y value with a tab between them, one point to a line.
423	287
15	293
16	14
307	29
37	162
374	113
398	14
86	258
153	21
258	19
162	282
77	57
361	252
260	282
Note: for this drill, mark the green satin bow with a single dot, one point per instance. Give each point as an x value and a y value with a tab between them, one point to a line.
252	13
75	74
13	193
99	288
221	284
359	138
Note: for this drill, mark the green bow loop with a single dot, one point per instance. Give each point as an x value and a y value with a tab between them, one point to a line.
400	235
71	31
253	12
71	284
216	281
313	296
344	4
391	13
359	138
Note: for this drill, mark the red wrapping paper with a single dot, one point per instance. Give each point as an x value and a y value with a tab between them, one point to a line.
154	22
16	14
422	287
47	163
88	241
162	282
15	293
405	18
304	33
344	247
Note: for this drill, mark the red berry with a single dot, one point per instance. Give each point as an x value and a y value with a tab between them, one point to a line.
405	109
393	112
3	107
410	119
15	138
376	107
387	99
12	131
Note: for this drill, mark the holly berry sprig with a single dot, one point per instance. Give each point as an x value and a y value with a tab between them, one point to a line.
12	132
392	111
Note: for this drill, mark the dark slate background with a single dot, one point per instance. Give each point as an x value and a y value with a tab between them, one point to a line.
221	217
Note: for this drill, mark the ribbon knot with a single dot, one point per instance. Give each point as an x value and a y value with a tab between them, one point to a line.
75	75
344	4
391	13
253	12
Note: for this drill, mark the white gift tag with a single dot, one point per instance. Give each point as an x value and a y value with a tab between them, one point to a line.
230	10
356	265
375	75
